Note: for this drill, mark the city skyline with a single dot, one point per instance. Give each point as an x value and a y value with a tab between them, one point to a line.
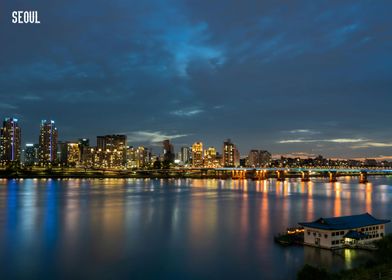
50	145
195	139
255	72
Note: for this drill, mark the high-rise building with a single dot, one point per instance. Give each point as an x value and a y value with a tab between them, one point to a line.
131	157
73	154
111	151
10	141
237	158
85	152
69	154
62	152
197	154
142	156
168	151
31	154
253	159
186	155
230	154
258	158
265	158
210	158
138	157
48	142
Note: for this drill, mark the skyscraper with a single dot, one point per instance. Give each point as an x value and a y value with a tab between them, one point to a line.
258	158
48	142
142	156
253	159
31	154
210	157
230	154
138	157
186	154
69	154
168	151
197	154
111	151
10	140
85	152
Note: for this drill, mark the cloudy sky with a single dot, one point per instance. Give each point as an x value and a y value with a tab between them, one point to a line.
298	77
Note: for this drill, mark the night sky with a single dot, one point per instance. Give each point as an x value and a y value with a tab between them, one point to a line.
292	77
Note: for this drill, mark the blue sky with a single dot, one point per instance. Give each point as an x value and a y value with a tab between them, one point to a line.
292	77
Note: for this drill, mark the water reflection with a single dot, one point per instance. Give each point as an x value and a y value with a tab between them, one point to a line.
171	228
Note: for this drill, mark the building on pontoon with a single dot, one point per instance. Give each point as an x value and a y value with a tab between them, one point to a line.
338	232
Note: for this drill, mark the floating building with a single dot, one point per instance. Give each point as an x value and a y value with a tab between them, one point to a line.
338	232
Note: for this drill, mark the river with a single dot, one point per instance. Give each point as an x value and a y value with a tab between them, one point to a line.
174	228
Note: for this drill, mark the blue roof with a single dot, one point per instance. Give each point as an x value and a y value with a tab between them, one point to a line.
345	222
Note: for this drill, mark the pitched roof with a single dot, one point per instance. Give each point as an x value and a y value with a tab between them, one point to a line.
344	222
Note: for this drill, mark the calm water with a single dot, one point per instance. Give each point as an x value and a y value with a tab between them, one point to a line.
171	229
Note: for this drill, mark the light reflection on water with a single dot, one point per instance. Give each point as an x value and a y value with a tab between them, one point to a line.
185	229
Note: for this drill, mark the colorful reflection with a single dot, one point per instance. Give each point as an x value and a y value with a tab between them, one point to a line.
85	228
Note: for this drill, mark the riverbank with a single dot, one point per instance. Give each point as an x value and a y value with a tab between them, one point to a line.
147	173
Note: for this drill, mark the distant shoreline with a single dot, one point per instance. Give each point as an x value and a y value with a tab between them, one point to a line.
59	173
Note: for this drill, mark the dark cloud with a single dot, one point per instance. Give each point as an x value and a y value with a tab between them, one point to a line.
254	71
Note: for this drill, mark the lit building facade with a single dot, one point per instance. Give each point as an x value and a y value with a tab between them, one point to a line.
111	151
69	154
131	157
84	150
258	158
338	232
253	159
142	157
48	143
10	141
230	154
186	155
168	151
31	154
197	154
210	159
138	157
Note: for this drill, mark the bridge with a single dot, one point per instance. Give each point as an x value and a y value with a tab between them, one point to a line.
305	173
